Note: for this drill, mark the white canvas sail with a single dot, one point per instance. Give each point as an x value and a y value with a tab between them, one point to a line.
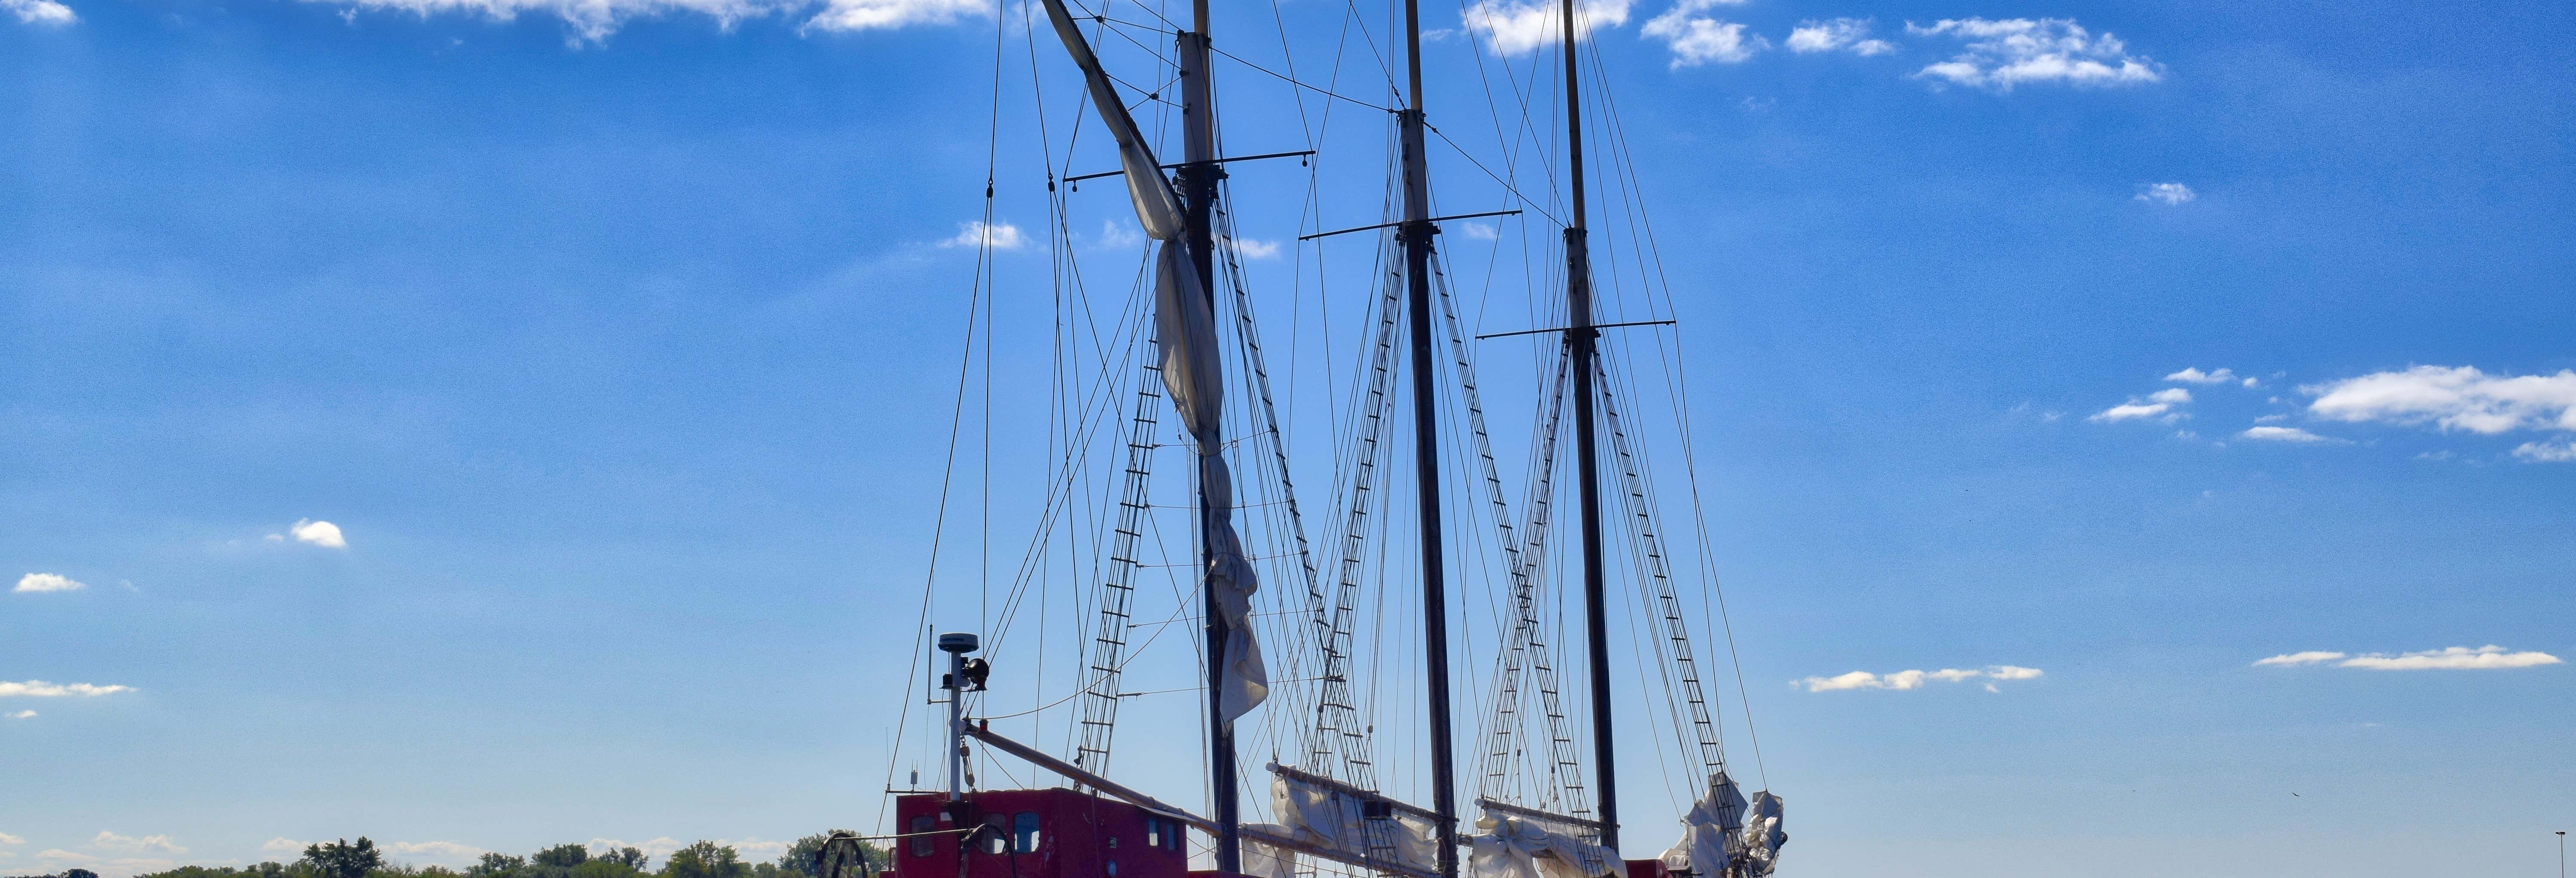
1709	830
1757	845
1186	330
1156	209
1322	816
1519	847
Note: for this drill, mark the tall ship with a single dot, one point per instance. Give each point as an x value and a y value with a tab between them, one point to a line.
1188	669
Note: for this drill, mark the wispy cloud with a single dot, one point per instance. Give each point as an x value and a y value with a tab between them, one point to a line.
1518	27
150	844
1838	35
2451	398
2300	658
2288	434
2160	404
2456	658
42	689
2193	375
1001	236
2544	452
6	838
1904	680
1477	230
592	21
1252	249
2003	54
1697	39
44	582
2166	193
39	12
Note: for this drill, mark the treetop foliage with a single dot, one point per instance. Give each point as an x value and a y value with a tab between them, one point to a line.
363	859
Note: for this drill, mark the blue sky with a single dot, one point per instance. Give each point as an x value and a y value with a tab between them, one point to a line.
618	346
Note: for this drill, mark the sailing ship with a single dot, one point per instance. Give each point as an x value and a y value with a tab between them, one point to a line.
1545	808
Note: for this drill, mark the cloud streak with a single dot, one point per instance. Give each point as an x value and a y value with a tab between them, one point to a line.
42	689
2450	398
1519	27
1839	35
2456	658
1907	680
1697	39
43	13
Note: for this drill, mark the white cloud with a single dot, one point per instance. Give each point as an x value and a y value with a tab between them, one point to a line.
40	12
2169	193
2309	657
2158	404
281	845
319	533
2193	375
40	582
42	689
591	20
1697	40
23	714
859	15
1518	27
2015	51
756	849
1852	34
2286	434
1252	249
1477	230
2452	398
1904	680
435	851
1117	236
2542	452
1002	236
2457	658
156	844
6	838
660	846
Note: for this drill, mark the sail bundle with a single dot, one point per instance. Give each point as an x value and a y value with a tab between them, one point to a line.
1520	846
1723	831
1329	816
1185	328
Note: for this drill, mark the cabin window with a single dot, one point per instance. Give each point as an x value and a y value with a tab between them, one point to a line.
996	837
1110	867
1024	832
1153	832
921	826
1174	837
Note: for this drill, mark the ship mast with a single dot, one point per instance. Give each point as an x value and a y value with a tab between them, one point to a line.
1582	341
1199	173
1416	232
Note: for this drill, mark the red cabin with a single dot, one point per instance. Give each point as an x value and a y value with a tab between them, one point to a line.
1050	833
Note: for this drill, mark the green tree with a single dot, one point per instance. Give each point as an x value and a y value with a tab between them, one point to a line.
705	859
497	866
340	859
630	857
798	861
562	856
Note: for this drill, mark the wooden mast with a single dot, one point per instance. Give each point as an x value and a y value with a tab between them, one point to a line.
1416	232
1582	342
1199	173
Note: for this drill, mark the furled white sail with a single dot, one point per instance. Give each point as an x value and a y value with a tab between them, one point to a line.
1186	329
1758	844
1156	209
1326	817
1521	847
1709	830
1263	861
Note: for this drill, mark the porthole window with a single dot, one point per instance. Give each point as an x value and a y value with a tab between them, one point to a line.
1111	868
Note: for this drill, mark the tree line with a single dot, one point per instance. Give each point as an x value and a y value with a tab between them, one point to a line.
362	859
